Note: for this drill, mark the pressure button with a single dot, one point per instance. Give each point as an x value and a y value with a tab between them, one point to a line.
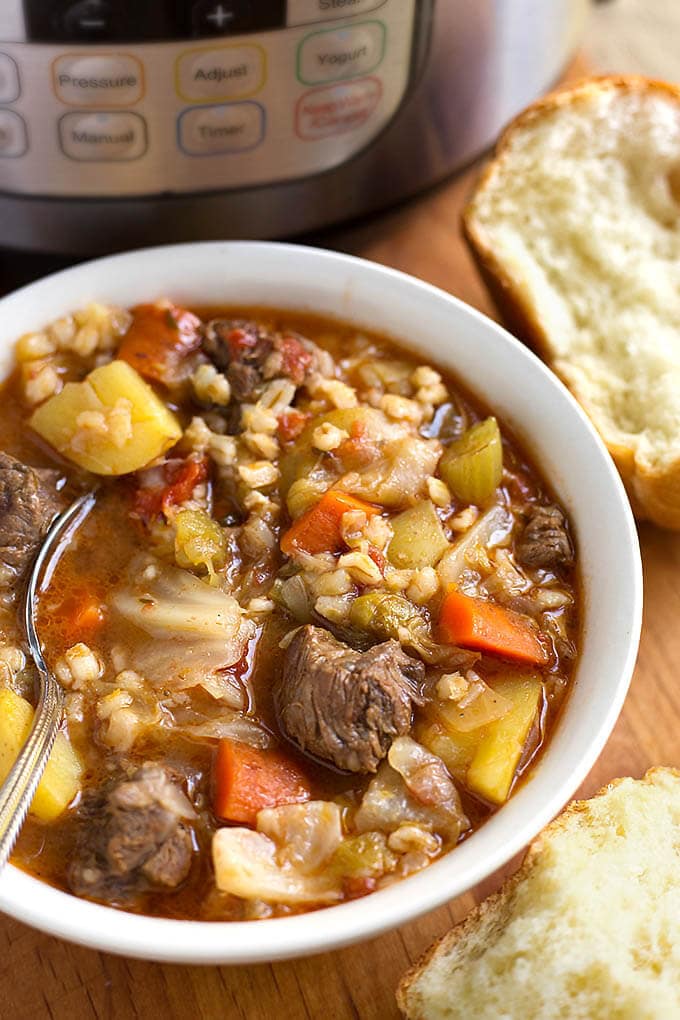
101	79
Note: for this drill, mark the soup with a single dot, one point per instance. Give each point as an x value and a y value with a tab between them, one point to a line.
315	630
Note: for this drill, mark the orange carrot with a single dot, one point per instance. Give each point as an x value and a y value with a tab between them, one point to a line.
80	615
246	780
487	627
158	341
318	530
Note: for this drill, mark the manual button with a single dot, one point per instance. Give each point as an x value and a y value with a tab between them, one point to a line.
102	79
334	54
103	137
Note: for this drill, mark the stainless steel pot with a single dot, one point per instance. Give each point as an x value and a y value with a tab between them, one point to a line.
251	119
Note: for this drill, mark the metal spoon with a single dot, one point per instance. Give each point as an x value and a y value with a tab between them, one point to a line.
16	793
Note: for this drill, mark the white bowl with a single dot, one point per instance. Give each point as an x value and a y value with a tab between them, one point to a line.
543	415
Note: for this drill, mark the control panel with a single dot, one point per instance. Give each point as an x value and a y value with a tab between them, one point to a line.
140	97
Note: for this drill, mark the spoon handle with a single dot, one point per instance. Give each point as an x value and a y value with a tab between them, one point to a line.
16	793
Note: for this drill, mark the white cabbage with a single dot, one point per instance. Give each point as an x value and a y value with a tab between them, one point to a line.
308	834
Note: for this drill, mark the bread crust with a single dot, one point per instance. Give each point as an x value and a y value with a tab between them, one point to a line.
654	492
493	910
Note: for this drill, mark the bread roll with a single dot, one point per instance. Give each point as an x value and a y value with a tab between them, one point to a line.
588	928
575	225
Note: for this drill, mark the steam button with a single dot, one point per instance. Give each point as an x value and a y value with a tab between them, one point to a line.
13	135
9	79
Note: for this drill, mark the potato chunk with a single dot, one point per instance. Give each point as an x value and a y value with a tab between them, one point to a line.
111	423
495	761
419	538
61	779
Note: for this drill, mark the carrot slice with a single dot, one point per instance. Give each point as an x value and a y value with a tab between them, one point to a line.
318	530
486	627
159	339
247	779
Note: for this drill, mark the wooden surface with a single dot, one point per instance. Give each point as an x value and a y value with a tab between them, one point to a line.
43	977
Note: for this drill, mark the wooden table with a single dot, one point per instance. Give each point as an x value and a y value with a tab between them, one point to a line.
43	977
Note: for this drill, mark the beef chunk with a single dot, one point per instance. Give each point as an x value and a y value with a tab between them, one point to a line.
342	705
28	502
544	541
250	355
134	838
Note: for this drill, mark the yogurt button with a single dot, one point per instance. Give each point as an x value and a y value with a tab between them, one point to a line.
302	12
103	137
225	72
339	53
13	136
9	79
102	79
211	130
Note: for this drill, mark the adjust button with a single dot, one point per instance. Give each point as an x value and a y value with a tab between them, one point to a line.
337	53
13	136
9	79
226	72
211	130
103	137
104	79
302	12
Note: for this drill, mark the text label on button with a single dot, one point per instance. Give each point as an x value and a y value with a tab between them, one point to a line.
303	12
104	79
218	130
337	53
222	72
335	110
103	137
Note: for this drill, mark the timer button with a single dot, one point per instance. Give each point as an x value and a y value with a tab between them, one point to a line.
104	79
337	53
103	137
215	130
302	12
13	135
9	79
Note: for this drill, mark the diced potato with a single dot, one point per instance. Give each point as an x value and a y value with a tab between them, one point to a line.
111	423
495	761
456	750
61	779
419	538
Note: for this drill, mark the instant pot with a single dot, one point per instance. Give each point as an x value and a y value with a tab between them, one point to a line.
127	122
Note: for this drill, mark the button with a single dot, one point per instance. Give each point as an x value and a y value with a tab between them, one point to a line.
338	53
89	20
103	137
211	130
333	111
302	12
223	17
228	72
107	79
13	134
9	79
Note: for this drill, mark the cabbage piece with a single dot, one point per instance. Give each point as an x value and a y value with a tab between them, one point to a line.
492	528
364	856
199	631
251	865
399	476
308	834
412	786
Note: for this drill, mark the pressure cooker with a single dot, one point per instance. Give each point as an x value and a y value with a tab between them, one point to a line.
127	122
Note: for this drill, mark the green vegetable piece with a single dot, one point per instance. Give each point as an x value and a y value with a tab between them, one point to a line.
472	466
419	539
364	856
199	541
